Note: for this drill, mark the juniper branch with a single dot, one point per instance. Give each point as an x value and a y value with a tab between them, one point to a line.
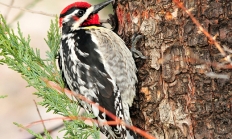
15	51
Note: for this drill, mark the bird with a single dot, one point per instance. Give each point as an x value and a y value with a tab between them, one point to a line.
96	63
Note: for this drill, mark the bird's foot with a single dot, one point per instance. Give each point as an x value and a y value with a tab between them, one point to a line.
136	53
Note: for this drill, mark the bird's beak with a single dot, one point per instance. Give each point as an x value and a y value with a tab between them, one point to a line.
100	6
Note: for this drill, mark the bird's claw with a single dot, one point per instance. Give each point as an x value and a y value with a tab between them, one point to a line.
136	53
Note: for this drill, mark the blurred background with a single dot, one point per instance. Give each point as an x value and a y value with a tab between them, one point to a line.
19	106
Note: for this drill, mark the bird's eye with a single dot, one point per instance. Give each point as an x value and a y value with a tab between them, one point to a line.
80	13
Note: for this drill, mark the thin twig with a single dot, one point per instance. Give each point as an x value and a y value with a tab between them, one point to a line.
40	115
66	119
21	13
9	8
50	131
55	86
27	10
180	4
57	118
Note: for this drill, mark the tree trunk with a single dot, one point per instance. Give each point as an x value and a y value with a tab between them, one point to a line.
177	98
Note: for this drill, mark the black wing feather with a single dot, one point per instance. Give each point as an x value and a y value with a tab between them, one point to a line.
96	74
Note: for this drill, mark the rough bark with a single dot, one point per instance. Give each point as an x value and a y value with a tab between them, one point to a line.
175	98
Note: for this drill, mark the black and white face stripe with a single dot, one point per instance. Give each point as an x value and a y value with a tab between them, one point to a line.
72	13
72	10
82	14
83	18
